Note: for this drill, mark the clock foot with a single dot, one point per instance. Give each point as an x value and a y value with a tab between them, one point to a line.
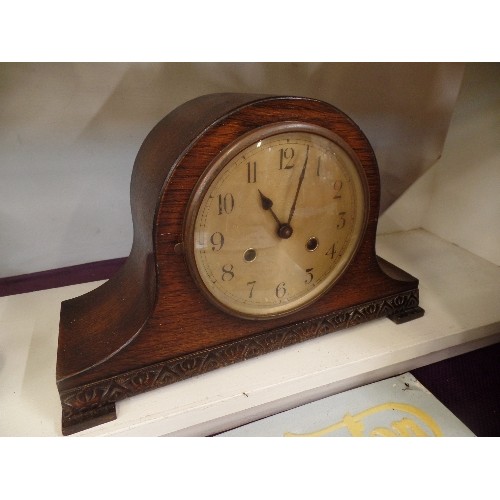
407	315
76	422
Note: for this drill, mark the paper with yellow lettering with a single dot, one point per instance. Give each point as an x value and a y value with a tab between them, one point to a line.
395	407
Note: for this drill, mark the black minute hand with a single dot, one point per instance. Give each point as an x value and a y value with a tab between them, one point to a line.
301	178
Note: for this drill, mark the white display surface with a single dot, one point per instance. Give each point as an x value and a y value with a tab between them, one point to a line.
459	291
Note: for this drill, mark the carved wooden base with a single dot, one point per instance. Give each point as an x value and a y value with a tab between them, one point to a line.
80	420
93	404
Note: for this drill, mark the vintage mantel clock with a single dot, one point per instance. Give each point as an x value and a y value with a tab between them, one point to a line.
254	229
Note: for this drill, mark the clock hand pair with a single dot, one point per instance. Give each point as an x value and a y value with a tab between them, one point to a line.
285	229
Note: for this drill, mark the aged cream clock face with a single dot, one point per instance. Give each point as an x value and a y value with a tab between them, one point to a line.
275	220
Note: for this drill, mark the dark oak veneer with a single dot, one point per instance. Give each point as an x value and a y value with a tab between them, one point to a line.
149	325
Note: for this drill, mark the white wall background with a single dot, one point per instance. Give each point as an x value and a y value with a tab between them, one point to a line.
458	198
69	134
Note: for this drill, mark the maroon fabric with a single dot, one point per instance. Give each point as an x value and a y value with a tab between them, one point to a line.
468	385
55	278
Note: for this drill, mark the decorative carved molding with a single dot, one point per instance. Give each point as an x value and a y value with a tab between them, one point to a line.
91	401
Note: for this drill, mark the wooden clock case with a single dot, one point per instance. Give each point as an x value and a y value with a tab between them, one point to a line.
149	325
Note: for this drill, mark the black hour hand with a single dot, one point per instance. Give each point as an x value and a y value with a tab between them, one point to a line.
284	230
267	203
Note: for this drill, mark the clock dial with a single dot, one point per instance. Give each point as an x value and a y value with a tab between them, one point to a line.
276	220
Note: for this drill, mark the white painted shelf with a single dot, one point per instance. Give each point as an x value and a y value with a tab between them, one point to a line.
459	291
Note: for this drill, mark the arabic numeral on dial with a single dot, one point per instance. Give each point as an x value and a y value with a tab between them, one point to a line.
252	172
286	157
281	290
217	240
251	284
331	251
227	272
310	276
226	203
342	221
